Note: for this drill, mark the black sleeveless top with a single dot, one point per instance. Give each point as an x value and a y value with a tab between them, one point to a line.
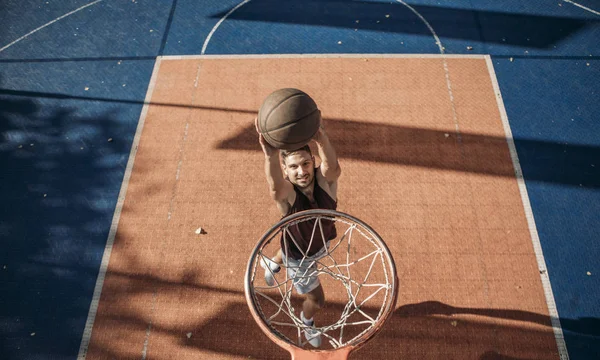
302	232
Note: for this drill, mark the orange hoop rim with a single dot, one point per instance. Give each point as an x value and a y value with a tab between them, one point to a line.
280	340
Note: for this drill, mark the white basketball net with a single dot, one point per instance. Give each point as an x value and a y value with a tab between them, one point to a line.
355	259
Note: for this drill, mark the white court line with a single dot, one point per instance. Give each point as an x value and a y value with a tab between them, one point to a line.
212	31
446	71
48	24
218	24
583	7
437	39
89	324
535	239
324	56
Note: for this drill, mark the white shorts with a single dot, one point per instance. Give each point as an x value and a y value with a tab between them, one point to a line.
304	274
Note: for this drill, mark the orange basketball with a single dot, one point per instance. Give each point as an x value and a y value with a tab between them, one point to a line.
288	119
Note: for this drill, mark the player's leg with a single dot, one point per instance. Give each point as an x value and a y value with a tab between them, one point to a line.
313	301
272	267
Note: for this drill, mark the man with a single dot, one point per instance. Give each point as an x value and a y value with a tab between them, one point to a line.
295	185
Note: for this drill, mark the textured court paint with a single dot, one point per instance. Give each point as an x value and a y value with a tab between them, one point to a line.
47	24
121	30
440	46
106	30
437	231
87	333
554	316
559	148
59	194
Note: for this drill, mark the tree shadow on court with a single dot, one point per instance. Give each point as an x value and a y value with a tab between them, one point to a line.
566	164
532	31
60	179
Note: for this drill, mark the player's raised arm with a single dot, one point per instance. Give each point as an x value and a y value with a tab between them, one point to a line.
330	167
279	187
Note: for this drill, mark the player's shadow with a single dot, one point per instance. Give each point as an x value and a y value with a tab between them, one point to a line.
567	164
490	26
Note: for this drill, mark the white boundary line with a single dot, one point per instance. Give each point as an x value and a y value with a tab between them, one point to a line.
87	332
535	239
324	56
48	24
582	7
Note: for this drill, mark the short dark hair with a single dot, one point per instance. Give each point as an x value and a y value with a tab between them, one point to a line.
285	153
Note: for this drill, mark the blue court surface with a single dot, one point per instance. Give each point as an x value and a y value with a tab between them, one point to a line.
73	80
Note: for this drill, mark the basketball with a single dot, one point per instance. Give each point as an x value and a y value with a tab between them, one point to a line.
288	119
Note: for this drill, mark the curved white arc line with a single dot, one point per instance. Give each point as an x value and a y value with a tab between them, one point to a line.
437	39
583	7
48	24
218	24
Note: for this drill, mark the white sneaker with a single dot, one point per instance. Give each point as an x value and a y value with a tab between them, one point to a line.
313	336
270	270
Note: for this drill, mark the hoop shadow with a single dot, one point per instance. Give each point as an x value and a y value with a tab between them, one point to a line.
566	164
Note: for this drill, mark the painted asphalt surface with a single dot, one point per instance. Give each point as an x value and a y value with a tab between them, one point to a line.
71	94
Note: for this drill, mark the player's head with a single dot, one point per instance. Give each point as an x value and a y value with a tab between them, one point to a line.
298	166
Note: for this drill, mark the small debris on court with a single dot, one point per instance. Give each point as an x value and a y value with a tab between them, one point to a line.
200	231
454	323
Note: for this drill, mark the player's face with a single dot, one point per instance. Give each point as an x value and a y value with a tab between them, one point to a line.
300	169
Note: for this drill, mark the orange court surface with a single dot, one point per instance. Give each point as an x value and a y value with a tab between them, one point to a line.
426	161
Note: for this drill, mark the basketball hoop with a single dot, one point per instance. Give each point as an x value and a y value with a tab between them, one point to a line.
356	270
